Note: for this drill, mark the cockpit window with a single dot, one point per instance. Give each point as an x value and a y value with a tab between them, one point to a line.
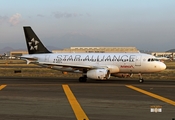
156	59
153	59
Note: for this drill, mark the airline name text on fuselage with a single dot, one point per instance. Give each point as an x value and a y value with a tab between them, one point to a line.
98	58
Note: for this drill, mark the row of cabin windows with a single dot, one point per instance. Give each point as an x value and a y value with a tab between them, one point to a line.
94	60
149	60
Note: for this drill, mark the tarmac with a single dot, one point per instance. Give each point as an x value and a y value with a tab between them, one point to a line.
67	99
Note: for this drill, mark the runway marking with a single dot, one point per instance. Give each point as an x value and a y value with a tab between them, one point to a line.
152	95
78	111
2	86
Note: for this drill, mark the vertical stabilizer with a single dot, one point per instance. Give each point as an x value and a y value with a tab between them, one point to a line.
34	45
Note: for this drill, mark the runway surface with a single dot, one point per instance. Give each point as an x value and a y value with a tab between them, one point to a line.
67	99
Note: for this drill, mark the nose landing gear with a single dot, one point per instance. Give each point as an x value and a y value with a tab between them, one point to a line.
141	80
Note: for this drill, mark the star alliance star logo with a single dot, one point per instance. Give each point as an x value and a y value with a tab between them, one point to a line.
33	44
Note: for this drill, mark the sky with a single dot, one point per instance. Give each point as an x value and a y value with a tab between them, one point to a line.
144	24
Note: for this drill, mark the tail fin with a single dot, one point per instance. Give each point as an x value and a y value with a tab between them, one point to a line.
34	45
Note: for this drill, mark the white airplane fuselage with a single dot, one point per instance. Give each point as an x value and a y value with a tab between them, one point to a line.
115	62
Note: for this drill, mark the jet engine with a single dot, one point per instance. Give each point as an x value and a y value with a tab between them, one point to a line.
101	74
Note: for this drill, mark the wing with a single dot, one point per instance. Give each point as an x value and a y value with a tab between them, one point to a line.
70	67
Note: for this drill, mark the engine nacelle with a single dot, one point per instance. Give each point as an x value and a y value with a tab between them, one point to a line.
122	75
101	74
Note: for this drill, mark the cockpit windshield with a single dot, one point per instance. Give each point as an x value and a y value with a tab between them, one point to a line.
153	59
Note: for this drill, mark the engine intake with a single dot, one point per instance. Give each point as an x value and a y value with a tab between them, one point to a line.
101	74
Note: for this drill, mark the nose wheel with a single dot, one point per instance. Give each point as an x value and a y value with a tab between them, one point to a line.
140	78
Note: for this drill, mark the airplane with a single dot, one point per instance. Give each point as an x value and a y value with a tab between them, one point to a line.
99	66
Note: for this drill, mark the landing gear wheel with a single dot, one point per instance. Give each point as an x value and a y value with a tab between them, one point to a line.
82	79
141	80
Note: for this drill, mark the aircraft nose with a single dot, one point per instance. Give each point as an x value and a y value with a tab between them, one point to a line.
162	66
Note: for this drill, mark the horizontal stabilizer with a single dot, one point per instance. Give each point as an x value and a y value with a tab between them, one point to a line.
29	59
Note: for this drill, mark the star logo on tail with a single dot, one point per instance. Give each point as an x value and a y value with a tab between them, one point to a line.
33	44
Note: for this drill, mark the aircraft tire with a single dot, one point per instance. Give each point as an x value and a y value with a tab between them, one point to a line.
82	79
141	80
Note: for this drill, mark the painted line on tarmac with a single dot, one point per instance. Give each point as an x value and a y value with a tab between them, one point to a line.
152	95
2	86
78	111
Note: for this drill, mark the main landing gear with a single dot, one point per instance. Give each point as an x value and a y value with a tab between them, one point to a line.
83	79
141	80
